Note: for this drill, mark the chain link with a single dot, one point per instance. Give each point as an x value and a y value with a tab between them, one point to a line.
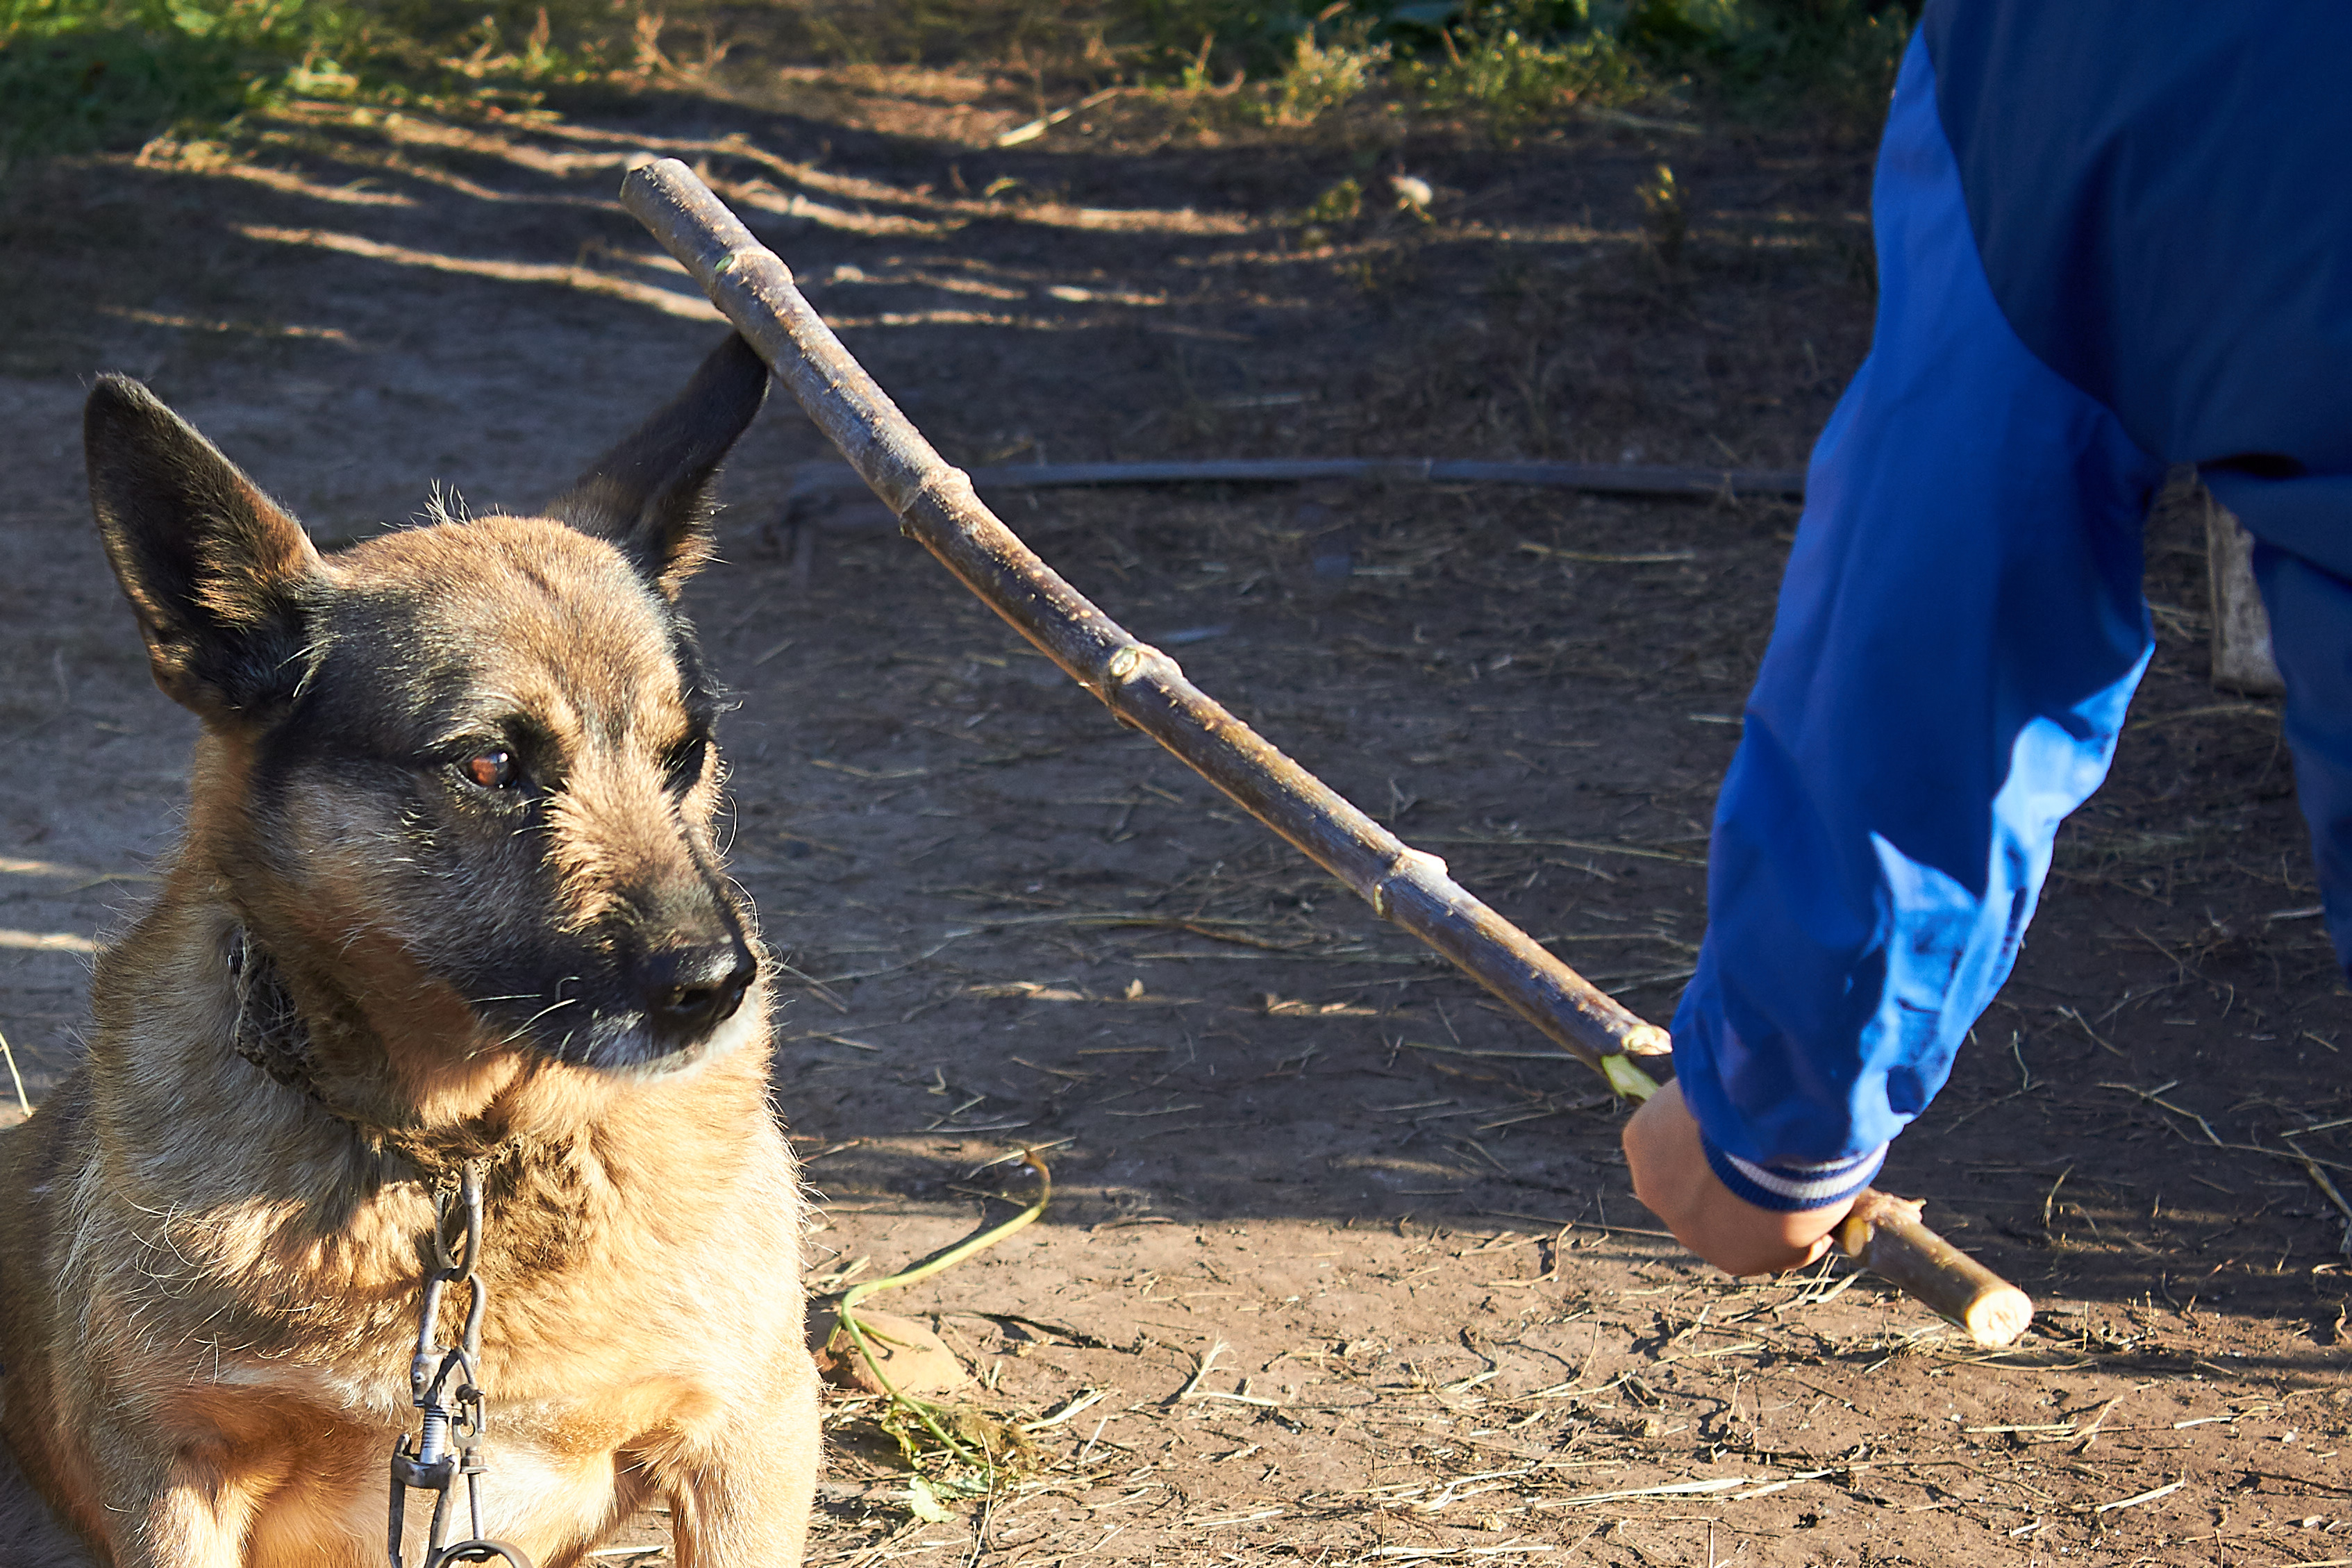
444	1384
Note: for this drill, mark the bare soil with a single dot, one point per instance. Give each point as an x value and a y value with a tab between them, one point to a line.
1341	1264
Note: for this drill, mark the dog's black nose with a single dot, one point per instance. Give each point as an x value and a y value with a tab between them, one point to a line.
688	990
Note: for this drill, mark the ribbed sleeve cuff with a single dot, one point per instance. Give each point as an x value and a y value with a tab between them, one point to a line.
1790	1189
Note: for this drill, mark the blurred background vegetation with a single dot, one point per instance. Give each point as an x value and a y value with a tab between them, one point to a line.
84	75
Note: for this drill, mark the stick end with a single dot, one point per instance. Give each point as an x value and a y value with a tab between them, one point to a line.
1884	1234
647	174
1999	1317
1647	1040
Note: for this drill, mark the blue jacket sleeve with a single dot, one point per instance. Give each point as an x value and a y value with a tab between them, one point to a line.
1960	631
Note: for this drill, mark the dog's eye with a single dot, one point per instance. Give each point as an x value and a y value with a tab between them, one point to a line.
493	770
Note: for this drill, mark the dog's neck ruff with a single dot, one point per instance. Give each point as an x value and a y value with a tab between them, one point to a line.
272	1033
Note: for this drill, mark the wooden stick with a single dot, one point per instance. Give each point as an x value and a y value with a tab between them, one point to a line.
1884	1235
1144	688
1142	685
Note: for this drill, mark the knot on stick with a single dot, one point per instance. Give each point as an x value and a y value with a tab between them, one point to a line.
1410	867
1130	663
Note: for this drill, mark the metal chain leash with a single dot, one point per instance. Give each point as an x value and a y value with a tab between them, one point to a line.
445	1385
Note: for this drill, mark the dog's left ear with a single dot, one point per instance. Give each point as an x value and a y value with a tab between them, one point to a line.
220	576
651	495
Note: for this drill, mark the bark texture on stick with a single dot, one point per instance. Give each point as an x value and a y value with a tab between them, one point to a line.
936	505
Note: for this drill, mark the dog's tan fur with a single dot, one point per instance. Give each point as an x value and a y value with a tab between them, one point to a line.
209	1278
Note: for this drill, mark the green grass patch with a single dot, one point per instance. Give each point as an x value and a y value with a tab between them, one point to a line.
81	75
1507	66
1506	73
76	75
1829	60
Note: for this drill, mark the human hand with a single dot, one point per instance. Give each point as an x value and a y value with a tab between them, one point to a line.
1672	1176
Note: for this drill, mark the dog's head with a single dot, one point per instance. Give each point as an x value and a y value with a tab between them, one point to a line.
459	779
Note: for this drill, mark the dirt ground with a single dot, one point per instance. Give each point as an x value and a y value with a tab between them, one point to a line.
1342	1265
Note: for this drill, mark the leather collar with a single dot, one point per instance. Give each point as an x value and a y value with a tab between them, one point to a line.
270	1031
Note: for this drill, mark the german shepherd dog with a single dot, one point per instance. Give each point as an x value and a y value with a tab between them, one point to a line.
448	898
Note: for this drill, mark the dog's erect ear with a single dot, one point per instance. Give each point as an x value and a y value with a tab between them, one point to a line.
651	494
216	572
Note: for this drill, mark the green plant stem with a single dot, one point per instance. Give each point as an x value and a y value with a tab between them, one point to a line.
1629	1080
846	1316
